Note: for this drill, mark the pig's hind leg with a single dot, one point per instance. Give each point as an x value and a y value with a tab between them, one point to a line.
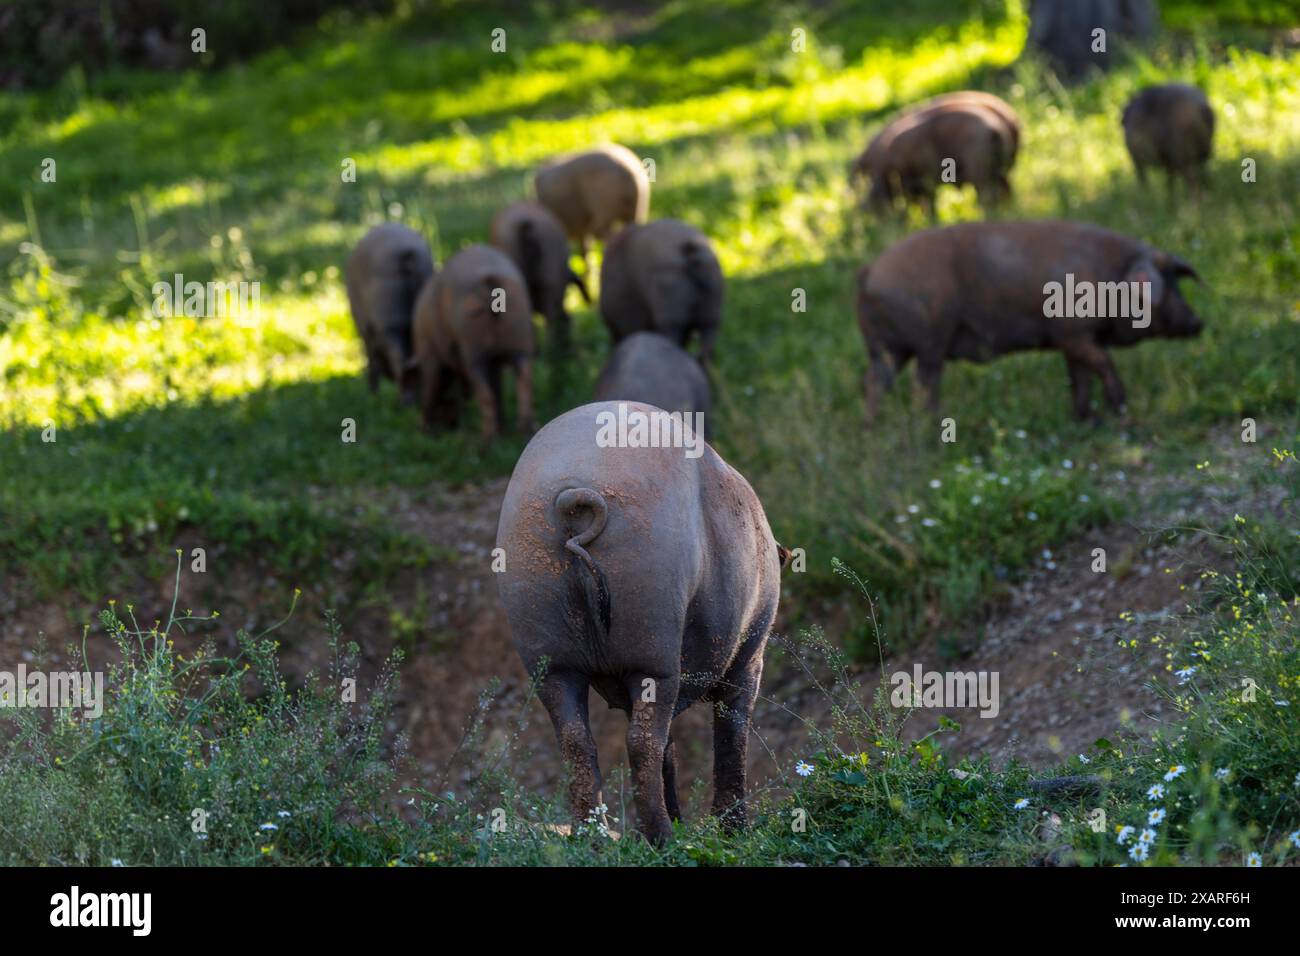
564	695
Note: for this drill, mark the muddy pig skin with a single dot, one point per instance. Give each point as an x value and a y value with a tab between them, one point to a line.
650	576
662	277
530	235
472	321
594	191
979	290
647	367
1170	127
384	274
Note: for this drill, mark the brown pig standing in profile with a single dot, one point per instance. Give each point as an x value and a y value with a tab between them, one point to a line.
472	321
1170	127
646	367
649	573
384	274
662	277
978	132
979	290
534	239
594	191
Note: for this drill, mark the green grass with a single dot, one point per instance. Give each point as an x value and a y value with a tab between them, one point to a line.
227	433
219	424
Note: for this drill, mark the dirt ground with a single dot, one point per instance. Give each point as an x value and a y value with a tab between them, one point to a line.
1051	637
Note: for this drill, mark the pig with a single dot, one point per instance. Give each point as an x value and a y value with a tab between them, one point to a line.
649	368
593	191
662	277
908	158
870	157
651	575
979	290
472	320
384	274
535	240
1170	127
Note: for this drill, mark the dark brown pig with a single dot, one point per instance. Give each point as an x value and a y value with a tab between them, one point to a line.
384	274
662	277
651	575
870	157
646	367
534	239
978	131
473	320
979	290
1170	127
911	162
594	191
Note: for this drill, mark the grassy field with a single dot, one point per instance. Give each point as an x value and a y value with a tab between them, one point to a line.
228	431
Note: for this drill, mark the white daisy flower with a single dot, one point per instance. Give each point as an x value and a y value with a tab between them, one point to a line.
1156	817
1221	773
803	769
1175	772
1254	859
1139	851
1295	839
1021	804
1156	792
1147	836
1123	834
268	826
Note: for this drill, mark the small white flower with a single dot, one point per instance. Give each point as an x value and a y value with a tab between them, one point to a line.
1147	836
935	482
1175	772
285	813
1156	817
1032	516
268	826
1185	674
1020	433
1123	835
1067	464
1139	851
1156	792
1222	773
803	769
1294	837
975	499
1084	499
1254	859
913	509
1282	703
117	862
928	522
1083	759
1021	804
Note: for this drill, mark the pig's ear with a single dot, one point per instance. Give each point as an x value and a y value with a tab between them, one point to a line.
1182	269
783	553
1144	270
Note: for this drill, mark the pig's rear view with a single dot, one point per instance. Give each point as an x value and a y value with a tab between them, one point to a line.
384	274
531	235
1169	127
649	575
662	277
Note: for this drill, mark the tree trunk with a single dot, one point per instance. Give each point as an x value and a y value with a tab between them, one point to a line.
1064	31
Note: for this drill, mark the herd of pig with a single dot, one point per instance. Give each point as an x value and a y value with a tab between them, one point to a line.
652	576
